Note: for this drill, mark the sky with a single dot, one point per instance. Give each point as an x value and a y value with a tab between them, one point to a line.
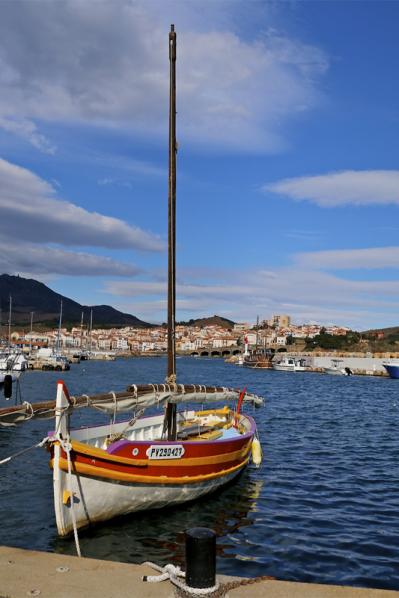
287	167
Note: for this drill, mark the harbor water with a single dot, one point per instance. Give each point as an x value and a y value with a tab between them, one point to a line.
323	507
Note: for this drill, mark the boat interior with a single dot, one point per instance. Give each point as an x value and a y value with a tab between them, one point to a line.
211	425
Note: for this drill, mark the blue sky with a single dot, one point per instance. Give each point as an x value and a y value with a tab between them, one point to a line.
288	182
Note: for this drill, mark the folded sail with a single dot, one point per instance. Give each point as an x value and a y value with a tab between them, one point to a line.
135	397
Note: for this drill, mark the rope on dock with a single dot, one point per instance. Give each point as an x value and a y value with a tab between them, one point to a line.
173	573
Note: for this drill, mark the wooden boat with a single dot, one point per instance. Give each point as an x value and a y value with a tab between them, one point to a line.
151	461
110	470
259	359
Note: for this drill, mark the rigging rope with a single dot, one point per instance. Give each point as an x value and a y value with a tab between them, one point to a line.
66	445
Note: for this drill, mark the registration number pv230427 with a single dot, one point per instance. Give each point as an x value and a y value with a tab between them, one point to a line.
165	451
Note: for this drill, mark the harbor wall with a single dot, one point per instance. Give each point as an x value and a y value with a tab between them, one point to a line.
371	365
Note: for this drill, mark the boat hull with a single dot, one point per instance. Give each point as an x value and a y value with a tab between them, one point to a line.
283	368
335	372
289	368
95	482
98	499
259	365
392	369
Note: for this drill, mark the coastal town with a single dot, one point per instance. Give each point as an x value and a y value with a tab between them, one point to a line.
278	331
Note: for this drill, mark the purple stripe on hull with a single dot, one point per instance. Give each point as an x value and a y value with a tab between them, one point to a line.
115	446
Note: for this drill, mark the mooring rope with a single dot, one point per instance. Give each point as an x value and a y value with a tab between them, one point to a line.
173	573
67	446
30	448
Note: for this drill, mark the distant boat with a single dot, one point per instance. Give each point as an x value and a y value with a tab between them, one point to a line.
260	359
50	359
12	363
392	368
337	369
290	364
13	360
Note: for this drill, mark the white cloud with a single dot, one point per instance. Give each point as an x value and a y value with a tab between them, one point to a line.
305	294
364	187
27	130
25	258
144	288
128	166
107	63
373	257
30	210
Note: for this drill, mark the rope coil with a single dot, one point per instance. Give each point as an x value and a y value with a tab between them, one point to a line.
173	573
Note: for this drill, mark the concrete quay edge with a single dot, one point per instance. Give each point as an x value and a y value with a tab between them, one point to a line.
48	575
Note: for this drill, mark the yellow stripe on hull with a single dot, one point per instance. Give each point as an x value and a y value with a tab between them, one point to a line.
100	472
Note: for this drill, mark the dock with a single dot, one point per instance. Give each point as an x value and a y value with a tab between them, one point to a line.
48	575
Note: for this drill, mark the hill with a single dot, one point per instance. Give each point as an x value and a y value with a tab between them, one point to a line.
393	330
211	321
29	295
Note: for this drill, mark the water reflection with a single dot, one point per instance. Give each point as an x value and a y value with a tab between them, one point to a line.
159	535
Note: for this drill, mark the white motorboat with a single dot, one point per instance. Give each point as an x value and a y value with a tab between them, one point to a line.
290	364
337	369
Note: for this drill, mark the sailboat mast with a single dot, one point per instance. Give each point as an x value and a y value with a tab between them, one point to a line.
172	211
59	330
9	322
90	329
257	333
81	333
170	415
31	331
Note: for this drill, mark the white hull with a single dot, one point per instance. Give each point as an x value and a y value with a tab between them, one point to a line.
98	500
335	372
282	367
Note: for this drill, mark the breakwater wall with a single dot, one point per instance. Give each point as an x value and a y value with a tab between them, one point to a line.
369	365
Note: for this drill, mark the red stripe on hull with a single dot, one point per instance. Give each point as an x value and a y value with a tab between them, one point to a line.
226	455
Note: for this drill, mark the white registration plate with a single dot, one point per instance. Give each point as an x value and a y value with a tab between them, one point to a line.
165	451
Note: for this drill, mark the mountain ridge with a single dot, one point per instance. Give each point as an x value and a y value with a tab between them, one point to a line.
29	295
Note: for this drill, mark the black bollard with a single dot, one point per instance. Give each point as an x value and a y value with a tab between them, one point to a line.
200	557
7	384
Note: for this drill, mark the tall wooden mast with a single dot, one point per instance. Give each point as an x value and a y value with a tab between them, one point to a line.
172	209
171	375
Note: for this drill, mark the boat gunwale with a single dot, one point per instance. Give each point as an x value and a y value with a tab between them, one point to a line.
251	432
